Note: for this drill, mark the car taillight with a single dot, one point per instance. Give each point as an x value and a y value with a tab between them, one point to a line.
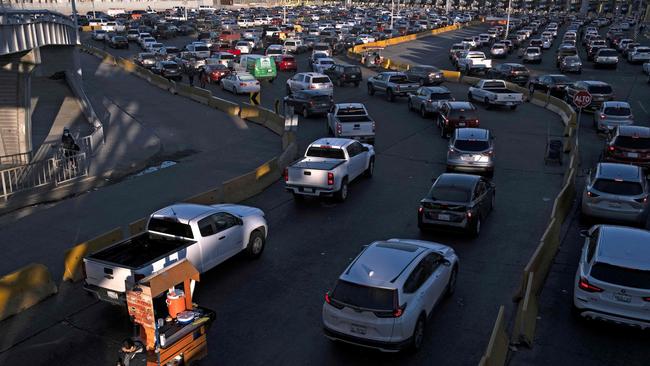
592	194
611	148
330	179
646	299
469	214
242	84
285	174
586	286
312	86
420	209
373	126
334	303
452	150
395	313
339	128
642	199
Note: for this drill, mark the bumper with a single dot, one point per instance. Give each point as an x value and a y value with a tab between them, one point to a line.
586	312
369	139
573	68
102	294
629	215
369	343
470	166
310	191
641	163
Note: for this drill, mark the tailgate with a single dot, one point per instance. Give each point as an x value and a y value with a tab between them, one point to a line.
509	97
307	177
104	275
357	128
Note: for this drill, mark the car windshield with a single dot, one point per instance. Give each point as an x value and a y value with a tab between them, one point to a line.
327	62
449	193
630	142
560	79
472	145
320	80
229	56
622	276
170	66
329	153
148	57
618	111
618	187
246	78
532	50
364	296
170	227
519	68
352	69
600	89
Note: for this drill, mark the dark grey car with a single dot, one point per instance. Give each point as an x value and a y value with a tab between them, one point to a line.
425	75
460	201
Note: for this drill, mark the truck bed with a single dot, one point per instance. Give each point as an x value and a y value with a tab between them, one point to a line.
139	250
317	165
500	91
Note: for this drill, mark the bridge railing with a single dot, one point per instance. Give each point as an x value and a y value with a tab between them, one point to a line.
23	30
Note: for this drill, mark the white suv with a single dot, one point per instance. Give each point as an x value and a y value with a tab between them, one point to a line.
310	81
612	282
385	296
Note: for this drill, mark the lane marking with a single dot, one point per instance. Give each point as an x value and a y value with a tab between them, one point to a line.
642	107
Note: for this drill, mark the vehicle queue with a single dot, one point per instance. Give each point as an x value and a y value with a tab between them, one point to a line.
383	298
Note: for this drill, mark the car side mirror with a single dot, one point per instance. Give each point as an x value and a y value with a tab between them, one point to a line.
585	234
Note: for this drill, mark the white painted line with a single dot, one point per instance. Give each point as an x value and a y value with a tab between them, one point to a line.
642	107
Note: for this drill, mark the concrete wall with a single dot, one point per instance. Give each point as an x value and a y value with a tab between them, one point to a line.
83	7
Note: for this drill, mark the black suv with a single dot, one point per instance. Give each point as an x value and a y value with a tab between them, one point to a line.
514	73
341	74
309	102
425	75
118	42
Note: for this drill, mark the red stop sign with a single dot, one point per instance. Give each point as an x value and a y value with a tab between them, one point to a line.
582	99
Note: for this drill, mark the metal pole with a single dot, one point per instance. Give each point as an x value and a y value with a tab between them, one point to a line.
508	21
94	15
392	7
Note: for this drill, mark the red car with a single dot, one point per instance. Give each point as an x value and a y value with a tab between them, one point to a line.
224	47
216	72
286	63
453	115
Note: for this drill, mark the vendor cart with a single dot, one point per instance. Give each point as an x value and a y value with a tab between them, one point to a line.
372	57
173	330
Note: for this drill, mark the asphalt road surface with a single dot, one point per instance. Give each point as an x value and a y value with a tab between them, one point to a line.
560	338
269	311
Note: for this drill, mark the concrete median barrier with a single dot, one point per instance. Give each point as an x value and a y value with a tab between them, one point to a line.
223	105
526	317
160	82
496	351
127	65
251	113
74	256
453	76
200	95
138	226
25	288
207	198
251	184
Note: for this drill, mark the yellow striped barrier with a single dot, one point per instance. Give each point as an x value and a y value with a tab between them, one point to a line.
25	288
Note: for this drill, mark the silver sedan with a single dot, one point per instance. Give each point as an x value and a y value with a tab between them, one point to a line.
612	114
239	83
471	150
428	99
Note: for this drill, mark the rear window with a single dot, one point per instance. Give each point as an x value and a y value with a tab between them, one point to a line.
440	96
352	69
398	79
628	277
320	80
629	142
229	56
363	296
618	111
170	66
600	89
200	48
472	145
618	187
519	68
608	53
329	153
246	78
321	47
170	227
447	193
462	114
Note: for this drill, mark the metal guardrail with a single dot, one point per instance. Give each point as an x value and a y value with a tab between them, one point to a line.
16	159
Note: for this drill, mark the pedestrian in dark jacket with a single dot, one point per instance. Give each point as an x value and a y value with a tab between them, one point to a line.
190	75
202	77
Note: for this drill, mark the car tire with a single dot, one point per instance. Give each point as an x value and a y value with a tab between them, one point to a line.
469	96
371	90
531	90
418	334
342	194
255	245
443	133
421	81
451	285
371	168
390	96
493	200
487	103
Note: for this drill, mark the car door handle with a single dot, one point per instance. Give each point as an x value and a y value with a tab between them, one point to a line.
222	237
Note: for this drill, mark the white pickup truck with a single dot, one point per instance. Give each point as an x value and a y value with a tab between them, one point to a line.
494	92
329	165
351	120
204	235
473	61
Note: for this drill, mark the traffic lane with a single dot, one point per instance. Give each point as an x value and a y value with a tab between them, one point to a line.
432	50
561	338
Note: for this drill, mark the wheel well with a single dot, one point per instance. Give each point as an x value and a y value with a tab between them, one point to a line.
261	229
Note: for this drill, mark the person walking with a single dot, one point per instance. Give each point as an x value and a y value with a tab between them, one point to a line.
203	76
190	74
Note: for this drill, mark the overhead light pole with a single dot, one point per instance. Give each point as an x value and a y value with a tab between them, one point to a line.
508	19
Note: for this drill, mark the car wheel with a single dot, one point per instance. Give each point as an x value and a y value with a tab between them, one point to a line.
371	168
342	193
389	95
305	112
531	89
451	285
423	112
418	334
371	90
487	103
476	227
255	245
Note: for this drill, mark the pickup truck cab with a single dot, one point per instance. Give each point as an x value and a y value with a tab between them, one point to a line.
494	92
473	61
351	120
394	84
204	235
329	165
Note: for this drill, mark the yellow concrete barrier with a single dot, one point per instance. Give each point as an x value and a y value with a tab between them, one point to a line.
207	198
451	75
200	95
25	288
251	184
127	65
497	348
249	112
138	226
161	82
223	105
526	317
74	256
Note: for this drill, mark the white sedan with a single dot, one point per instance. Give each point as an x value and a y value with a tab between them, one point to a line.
322	64
239	83
244	47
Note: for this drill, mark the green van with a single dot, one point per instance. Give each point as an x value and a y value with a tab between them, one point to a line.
260	66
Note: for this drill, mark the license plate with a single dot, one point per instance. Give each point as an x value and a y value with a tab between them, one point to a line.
112	295
443	217
309	190
623	298
632	155
461	124
353	77
358	329
465	158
